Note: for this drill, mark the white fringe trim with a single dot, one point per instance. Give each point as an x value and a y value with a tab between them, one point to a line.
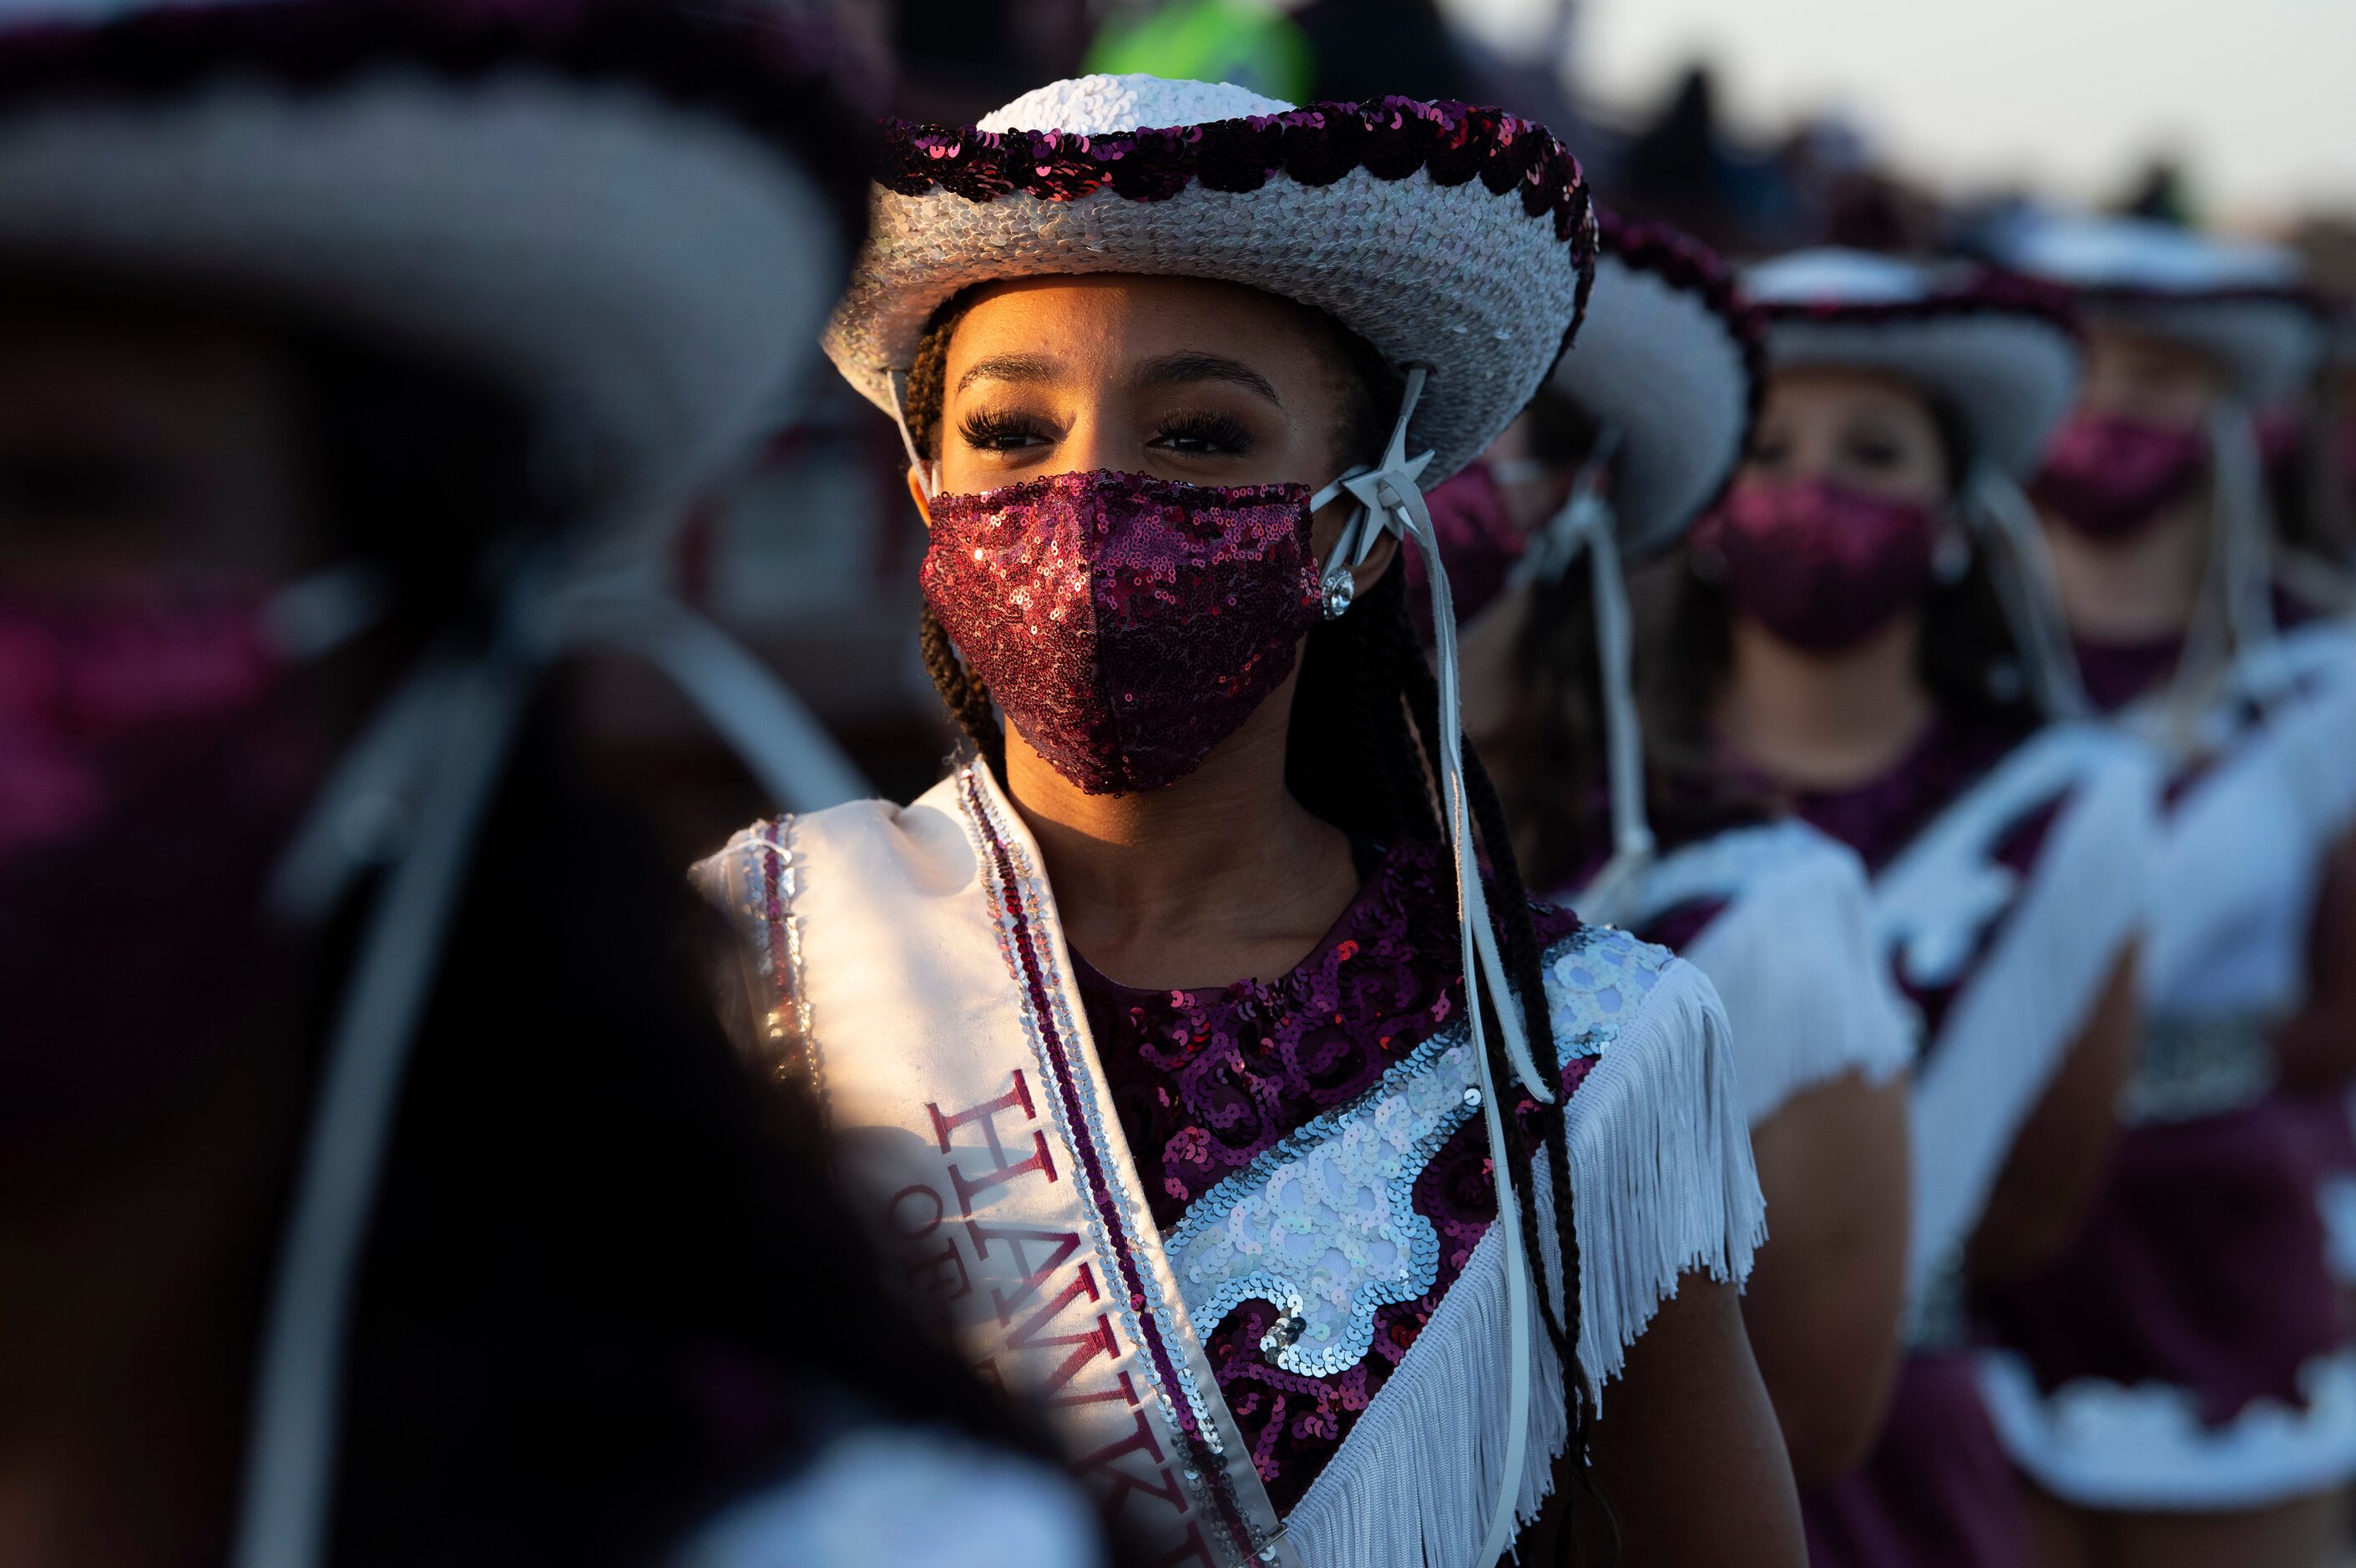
1662	1175
2103	1446
1660	1167
1805	991
2005	1036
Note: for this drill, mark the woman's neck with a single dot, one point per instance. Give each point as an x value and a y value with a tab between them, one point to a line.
1823	722
1218	877
2137	589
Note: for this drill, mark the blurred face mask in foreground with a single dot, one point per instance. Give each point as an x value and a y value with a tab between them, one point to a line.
154	754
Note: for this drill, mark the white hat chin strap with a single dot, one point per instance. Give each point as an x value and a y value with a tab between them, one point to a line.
410	795
1588	524
1390	501
413	792
2021	565
2244	530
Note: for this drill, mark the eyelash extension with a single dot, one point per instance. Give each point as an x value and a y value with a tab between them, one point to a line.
1219	431
983	428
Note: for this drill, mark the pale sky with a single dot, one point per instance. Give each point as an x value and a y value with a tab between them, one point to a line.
2068	96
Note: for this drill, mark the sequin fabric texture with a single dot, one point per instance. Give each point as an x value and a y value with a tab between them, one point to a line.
1391	138
1125	624
1206	1081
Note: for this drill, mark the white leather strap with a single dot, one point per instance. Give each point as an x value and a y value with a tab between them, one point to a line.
1391	500
446	742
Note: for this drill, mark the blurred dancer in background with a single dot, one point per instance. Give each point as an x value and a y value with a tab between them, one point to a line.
1175	1076
2180	1385
1642	425
335	336
1856	633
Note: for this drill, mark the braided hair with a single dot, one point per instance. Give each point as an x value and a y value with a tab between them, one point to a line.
1362	753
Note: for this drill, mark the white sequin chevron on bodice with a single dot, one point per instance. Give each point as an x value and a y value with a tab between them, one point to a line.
1323	1224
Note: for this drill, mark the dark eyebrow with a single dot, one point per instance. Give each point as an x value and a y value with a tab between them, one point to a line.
1032	368
1177	370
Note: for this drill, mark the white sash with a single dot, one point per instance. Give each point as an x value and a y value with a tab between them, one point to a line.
2005	1033
2240	852
911	961
1792	954
980	1140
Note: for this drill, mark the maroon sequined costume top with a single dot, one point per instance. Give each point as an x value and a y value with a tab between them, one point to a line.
1205	1080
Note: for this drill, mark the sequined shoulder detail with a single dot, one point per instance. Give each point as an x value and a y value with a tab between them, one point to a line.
1596	980
754	882
1323	1224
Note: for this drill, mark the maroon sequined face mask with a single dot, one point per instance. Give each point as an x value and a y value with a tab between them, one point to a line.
2110	479
1822	567
153	759
1125	624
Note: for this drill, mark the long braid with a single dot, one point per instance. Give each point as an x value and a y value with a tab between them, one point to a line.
968	699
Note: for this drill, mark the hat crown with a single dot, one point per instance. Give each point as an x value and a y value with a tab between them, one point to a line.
1832	276
2147	255
1102	105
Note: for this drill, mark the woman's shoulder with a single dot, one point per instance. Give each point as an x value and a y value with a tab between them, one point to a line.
857	833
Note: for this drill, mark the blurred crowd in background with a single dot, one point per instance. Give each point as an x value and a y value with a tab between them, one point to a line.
812	558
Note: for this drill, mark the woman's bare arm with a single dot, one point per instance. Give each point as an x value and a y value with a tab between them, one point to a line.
1822	1301
2057	1163
1687	1453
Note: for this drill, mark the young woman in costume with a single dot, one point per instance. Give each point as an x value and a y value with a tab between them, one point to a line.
1841	639
2179	1385
273	598
1332	1227
1641	425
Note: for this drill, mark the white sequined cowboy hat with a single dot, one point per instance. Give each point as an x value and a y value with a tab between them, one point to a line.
1458	238
1669	358
2238	302
631	213
1998	353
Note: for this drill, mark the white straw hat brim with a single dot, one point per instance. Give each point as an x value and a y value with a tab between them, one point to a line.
1668	356
648	275
1997	352
2234	301
1457	240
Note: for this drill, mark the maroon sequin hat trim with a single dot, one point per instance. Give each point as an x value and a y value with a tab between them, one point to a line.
1389	138
1984	294
783	74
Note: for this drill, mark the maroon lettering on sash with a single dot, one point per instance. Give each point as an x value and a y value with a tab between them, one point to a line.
1090	1343
1115	1482
896	1213
1014	1238
914	1213
1003	1171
